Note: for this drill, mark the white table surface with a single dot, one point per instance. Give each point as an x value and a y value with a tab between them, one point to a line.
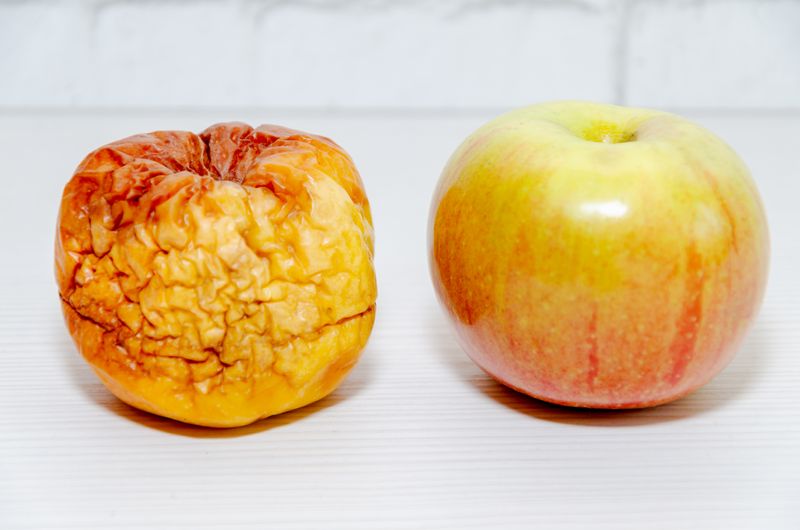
417	436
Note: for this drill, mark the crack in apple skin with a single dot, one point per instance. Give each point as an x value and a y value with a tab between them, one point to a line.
226	261
598	275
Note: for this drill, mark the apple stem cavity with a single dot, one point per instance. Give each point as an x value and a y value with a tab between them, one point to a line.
607	133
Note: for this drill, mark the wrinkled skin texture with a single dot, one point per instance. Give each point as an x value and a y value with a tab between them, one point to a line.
598	256
221	278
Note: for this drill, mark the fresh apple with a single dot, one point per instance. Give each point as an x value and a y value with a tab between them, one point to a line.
598	256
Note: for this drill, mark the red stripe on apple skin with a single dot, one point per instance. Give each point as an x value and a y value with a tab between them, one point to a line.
723	204
594	362
683	344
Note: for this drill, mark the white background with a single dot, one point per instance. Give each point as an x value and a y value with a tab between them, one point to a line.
417	436
454	54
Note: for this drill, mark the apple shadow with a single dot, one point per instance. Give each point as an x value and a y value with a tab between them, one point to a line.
90	386
731	384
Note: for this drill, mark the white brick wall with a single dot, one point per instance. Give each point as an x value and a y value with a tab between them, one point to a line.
399	54
715	54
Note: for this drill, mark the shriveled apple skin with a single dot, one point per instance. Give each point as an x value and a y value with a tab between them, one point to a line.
217	278
591	274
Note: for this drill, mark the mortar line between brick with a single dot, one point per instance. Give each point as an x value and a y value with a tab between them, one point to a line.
411	112
621	55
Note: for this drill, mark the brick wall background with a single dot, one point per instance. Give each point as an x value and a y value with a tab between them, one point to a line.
414	54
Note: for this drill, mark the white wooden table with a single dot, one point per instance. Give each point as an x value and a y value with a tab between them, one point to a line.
417	436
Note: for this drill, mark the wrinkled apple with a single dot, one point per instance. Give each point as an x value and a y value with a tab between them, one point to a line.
217	278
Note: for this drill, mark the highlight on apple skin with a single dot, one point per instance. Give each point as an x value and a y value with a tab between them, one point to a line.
598	256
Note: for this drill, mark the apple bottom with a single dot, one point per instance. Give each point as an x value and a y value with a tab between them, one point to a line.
604	398
597	406
231	404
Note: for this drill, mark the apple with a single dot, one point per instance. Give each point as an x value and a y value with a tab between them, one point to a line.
221	277
598	256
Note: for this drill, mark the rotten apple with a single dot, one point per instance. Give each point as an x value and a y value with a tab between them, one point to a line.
217	278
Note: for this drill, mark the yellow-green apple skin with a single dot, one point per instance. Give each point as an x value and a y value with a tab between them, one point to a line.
598	256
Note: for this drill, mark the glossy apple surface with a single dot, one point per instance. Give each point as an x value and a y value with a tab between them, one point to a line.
598	256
